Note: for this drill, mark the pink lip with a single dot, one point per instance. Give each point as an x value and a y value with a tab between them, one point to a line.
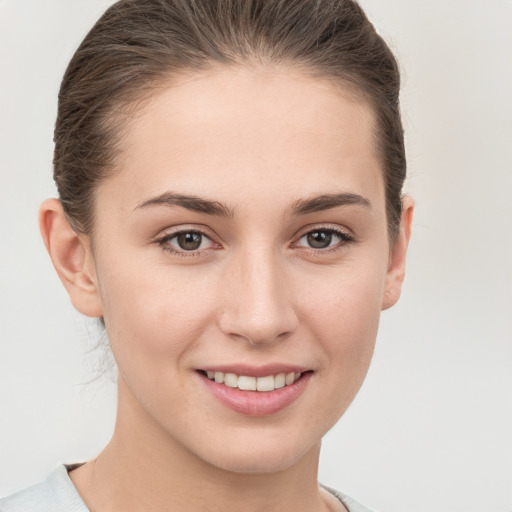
256	371
256	403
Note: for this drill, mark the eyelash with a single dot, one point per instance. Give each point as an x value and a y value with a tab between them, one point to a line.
166	246
344	239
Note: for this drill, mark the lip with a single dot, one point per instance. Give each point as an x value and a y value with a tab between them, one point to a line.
256	371
256	403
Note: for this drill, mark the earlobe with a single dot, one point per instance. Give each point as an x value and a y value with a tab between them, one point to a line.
72	258
396	269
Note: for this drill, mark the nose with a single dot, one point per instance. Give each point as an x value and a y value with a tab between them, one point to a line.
257	302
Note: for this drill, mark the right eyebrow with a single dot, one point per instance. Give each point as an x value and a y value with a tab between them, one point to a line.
193	203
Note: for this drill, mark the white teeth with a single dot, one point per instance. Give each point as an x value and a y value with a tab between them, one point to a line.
279	381
245	383
231	380
290	378
265	383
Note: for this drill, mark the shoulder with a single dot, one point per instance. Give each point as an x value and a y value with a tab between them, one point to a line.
55	494
350	504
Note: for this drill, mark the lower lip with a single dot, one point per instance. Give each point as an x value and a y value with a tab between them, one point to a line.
257	403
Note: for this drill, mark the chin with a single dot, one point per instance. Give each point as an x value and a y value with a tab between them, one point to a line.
256	464
257	456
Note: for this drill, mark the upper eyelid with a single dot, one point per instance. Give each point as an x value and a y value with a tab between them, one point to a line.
174	231
204	231
324	227
345	238
170	236
163	242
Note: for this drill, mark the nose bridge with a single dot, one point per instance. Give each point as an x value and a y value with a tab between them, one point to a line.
257	303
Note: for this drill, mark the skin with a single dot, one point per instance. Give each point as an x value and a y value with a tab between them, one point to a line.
256	141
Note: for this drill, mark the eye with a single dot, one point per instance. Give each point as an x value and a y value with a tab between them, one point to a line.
188	241
324	239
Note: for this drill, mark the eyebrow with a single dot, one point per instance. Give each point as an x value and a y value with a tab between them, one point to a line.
326	202
299	207
193	203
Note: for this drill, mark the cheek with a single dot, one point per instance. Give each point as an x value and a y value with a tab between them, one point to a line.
156	314
344	316
348	296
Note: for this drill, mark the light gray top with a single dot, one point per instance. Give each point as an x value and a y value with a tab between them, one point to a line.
58	494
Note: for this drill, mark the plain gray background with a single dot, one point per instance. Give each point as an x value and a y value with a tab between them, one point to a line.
431	428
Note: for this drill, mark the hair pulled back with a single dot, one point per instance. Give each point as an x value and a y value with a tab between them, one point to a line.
138	44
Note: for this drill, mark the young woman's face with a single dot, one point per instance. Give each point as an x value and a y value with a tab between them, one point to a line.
243	233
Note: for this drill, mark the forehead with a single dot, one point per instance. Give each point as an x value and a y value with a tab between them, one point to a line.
248	131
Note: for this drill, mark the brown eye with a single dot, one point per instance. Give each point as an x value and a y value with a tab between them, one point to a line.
189	240
326	238
319	239
183	242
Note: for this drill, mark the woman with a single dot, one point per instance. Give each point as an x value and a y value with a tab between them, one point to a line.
230	207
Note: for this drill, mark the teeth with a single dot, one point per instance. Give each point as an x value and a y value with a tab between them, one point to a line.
231	380
289	379
279	381
265	383
245	383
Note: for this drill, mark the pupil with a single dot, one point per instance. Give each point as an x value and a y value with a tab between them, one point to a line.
189	241
319	239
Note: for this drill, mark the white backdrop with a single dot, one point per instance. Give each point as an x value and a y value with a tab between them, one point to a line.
431	428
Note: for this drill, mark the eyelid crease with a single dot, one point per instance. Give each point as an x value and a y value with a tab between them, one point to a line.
185	228
345	240
344	233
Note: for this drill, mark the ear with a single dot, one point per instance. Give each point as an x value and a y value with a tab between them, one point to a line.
396	269
72	258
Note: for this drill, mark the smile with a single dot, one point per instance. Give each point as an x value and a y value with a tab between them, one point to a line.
267	391
247	383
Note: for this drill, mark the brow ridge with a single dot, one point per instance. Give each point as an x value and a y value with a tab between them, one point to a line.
190	202
327	202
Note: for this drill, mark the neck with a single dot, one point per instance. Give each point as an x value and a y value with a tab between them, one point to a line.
143	468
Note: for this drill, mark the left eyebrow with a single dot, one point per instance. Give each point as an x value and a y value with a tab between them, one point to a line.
326	202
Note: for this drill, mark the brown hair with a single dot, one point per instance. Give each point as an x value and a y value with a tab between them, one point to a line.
137	44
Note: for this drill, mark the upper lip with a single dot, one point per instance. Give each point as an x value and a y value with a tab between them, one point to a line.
255	371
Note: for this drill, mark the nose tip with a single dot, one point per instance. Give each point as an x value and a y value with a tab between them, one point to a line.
258	306
260	331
